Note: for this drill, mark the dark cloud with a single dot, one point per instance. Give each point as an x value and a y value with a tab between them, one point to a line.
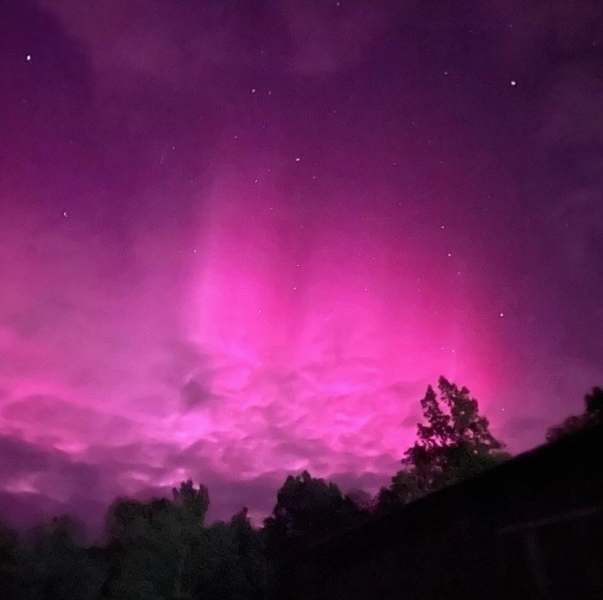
19	456
37	483
66	419
23	510
196	394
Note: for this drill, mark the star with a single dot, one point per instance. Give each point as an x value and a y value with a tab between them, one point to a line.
513	82
297	159
28	57
501	314
64	214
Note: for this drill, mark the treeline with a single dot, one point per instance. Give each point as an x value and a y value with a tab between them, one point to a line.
164	550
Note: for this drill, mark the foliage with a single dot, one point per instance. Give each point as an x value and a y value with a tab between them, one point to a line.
193	503
162	550
8	558
308	509
52	563
453	444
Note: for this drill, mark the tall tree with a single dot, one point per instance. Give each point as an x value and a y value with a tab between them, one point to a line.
453	443
592	415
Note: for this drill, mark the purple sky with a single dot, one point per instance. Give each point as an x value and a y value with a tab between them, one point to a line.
238	238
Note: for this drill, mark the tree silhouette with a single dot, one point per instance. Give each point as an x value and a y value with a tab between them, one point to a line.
453	444
193	503
592	415
8	560
146	550
161	549
307	509
53	564
152	546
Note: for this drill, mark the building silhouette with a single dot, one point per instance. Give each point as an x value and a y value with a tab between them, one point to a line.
531	528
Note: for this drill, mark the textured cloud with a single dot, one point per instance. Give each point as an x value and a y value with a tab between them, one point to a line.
65	421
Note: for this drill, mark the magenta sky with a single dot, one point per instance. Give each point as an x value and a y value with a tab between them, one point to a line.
238	239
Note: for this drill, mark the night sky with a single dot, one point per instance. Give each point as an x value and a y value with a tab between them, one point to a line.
238	238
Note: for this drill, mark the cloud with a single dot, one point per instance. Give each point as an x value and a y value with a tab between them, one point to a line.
23	510
67	421
37	483
196	394
183	360
18	456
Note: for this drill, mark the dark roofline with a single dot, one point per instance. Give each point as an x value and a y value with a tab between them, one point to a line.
513	476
